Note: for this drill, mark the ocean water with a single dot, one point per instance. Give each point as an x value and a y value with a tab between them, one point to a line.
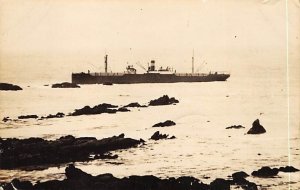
203	148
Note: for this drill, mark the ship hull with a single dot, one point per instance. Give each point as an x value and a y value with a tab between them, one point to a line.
86	78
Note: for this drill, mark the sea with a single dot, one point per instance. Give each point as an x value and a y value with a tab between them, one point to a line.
203	148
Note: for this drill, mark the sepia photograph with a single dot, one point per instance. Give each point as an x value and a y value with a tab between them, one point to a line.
149	95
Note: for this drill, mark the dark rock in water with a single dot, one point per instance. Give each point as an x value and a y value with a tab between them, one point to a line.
220	184
157	136
235	127
28	117
58	115
78	180
123	109
73	173
265	172
288	169
65	85
7	86
165	124
257	128
107	83
164	100
98	109
240	174
106	156
5	119
38	152
134	105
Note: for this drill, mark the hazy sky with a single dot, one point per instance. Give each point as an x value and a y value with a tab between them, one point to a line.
50	38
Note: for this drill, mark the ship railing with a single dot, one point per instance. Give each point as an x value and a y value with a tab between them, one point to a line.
200	74
191	74
106	74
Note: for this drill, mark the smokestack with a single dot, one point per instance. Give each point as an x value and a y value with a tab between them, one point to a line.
105	62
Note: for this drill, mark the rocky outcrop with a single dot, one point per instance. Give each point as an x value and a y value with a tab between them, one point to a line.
265	172
58	115
165	124
257	128
7	86
65	85
288	169
78	179
164	100
98	109
271	172
235	127
157	136
134	105
37	151
28	117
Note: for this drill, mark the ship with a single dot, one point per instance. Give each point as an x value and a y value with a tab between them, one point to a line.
152	75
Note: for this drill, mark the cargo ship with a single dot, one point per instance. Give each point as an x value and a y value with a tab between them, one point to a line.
152	75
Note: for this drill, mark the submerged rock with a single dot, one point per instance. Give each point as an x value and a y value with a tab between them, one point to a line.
157	136
288	169
220	184
65	85
123	109
134	105
77	179
265	172
7	86
257	128
98	109
165	124
37	151
164	100
28	117
58	115
240	174
235	127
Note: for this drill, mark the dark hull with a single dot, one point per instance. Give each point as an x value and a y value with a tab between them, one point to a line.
85	78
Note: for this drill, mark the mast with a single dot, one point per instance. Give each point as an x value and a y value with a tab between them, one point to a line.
193	62
105	63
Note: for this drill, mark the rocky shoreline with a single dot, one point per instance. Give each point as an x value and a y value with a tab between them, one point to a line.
17	153
78	179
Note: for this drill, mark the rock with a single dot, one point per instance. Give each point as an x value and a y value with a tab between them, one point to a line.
265	172
28	117
157	136
7	86
165	124
123	109
220	184
240	174
235	127
65	85
106	156
256	128
164	100
134	105
58	115
288	169
98	109
73	173
40	152
5	119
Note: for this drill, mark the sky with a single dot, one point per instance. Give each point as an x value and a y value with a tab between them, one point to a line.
47	40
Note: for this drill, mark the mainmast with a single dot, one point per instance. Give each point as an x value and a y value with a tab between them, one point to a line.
105	63
193	62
